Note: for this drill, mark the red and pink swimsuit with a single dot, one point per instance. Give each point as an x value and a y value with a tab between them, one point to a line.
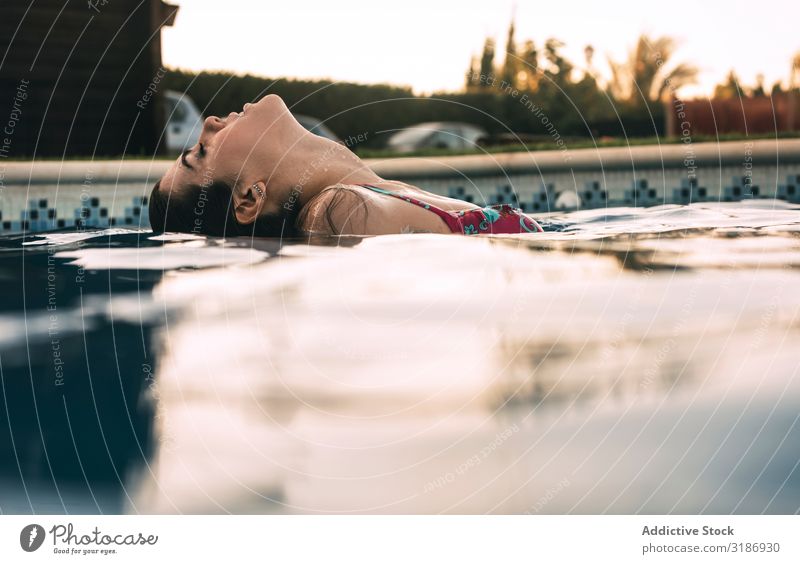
498	218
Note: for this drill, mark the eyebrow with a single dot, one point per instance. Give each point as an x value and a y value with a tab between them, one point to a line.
183	159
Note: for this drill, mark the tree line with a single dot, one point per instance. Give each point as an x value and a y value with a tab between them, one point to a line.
576	101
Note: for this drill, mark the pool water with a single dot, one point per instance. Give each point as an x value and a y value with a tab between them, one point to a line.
625	361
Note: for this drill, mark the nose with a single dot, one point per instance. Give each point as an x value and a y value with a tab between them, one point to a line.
212	124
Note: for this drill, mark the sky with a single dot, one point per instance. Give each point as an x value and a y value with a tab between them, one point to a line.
427	44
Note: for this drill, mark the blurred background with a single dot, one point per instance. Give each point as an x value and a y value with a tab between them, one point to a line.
136	78
639	356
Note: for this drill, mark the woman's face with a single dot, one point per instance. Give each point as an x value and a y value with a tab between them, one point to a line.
240	148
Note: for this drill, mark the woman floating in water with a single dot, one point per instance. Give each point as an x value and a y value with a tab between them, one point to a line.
259	172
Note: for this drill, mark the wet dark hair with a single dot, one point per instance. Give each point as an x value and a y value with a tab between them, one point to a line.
209	210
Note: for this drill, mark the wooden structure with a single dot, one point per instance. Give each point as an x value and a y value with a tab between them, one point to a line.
752	115
81	78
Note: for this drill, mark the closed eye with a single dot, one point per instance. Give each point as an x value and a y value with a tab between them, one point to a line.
201	152
184	162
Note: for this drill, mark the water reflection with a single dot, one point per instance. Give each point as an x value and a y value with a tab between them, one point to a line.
434	374
78	357
75	404
586	370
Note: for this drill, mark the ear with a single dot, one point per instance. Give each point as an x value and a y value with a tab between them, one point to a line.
248	200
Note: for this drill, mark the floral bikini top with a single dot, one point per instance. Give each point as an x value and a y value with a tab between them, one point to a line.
498	218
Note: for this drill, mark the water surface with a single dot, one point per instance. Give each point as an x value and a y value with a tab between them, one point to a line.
625	361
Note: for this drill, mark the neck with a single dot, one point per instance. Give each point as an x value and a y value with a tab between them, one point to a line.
318	163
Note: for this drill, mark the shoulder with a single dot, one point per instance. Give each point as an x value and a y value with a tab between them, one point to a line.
340	209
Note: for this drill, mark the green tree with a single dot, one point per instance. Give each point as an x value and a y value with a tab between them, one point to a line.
758	90
794	75
588	55
472	78
647	75
560	69
511	63
728	89
487	60
529	67
794	93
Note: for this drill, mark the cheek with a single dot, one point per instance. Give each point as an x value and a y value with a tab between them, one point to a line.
231	155
244	148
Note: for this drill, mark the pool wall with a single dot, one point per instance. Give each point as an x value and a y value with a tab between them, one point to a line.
36	196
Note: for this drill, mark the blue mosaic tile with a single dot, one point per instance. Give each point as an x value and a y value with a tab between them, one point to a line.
791	190
740	188
642	194
456	192
504	194
543	199
594	195
689	191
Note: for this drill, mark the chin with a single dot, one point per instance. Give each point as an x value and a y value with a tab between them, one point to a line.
272	101
273	111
